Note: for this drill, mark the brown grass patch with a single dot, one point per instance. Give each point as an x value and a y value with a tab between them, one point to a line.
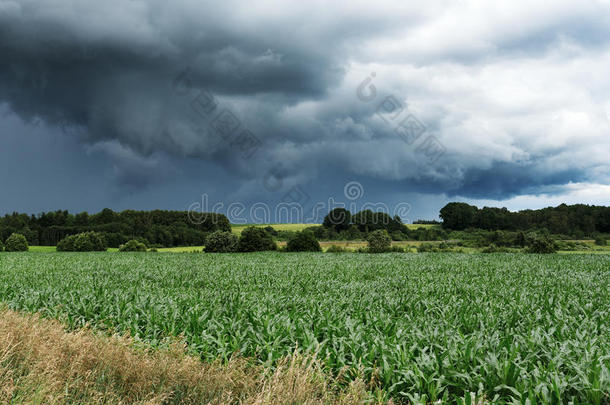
41	363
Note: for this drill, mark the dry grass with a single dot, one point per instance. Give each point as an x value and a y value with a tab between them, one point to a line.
41	363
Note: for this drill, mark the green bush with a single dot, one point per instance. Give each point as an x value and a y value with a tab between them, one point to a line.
133	246
427	247
1	245
601	241
495	249
303	241
253	239
66	244
571	246
540	244
396	249
490	249
379	241
16	243
220	242
83	242
336	249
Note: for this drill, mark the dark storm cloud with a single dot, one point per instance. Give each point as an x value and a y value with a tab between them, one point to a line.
107	74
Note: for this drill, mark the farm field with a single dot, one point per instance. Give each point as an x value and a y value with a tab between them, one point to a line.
510	328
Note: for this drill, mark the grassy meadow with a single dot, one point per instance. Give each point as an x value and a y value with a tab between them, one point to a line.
419	328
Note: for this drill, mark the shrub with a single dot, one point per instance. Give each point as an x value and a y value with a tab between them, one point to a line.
66	244
303	241
540	244
396	249
571	246
220	242
427	247
600	241
336	249
16	243
89	241
379	241
253	239
133	246
1	245
143	241
495	249
83	242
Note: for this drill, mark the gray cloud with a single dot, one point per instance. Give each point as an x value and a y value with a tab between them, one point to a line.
518	97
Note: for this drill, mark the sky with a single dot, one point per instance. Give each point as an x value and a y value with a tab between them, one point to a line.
219	106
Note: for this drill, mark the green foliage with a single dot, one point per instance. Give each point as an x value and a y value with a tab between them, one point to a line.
271	230
320	232
133	246
336	249
571	246
423	234
379	241
16	243
1	245
66	244
537	243
427	247
253	239
458	216
303	241
339	219
167	228
221	242
575	220
83	242
601	241
397	236
495	249
396	249
340	224
513	329
368	221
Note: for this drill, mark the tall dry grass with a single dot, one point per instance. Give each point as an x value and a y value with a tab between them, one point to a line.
41	363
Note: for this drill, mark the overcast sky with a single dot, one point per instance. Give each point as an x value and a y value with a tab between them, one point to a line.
153	104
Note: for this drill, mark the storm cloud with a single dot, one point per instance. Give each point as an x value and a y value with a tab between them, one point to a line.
475	101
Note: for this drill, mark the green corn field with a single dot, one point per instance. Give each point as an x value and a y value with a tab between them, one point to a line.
508	328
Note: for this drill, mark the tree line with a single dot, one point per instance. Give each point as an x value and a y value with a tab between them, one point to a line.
158	227
577	220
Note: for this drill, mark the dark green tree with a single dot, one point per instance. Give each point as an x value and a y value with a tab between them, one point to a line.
338	218
221	242
379	241
458	216
303	241
254	239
